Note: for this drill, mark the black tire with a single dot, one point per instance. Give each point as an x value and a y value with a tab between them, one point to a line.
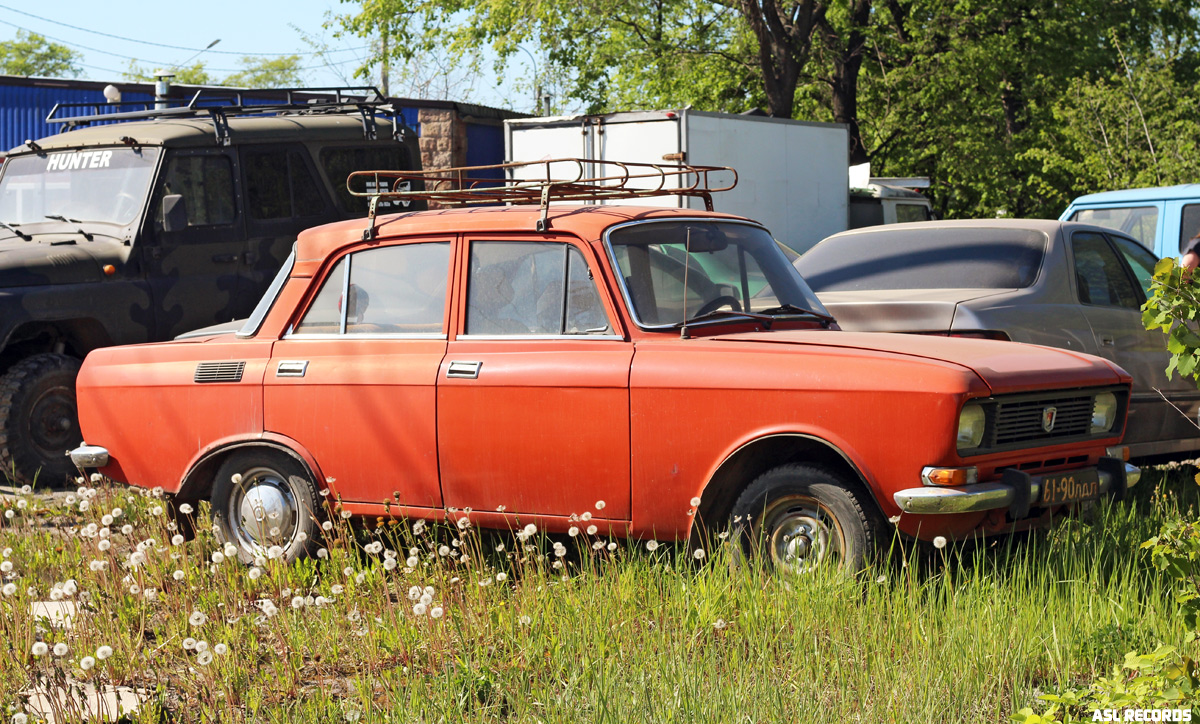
39	420
270	481
797	517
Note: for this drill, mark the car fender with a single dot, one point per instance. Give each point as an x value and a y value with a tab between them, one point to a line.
760	451
195	482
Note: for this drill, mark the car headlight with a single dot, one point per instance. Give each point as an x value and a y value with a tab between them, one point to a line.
1104	412
970	426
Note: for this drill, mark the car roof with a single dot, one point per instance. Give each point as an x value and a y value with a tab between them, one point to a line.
1181	191
585	222
200	131
1050	227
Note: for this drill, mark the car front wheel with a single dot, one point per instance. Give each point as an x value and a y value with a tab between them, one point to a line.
798	518
263	498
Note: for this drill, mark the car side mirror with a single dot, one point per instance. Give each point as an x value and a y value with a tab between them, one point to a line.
174	213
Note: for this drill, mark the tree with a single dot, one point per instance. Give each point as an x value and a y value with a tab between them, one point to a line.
33	54
280	72
193	74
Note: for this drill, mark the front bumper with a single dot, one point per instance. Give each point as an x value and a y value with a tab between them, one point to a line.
1016	491
89	456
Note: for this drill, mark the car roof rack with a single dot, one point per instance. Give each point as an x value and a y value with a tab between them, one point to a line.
221	104
584	180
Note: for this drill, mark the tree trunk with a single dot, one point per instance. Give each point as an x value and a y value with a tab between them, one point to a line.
784	30
847	63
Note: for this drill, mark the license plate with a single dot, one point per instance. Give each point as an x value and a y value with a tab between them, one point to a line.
1059	488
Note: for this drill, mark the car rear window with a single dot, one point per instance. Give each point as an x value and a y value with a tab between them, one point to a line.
951	258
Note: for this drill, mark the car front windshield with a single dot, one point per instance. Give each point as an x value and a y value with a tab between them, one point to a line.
723	266
925	258
107	185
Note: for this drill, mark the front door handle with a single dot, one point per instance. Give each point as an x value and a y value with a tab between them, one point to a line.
225	258
1107	341
465	370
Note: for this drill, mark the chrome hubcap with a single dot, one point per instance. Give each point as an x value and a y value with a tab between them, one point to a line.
263	510
802	535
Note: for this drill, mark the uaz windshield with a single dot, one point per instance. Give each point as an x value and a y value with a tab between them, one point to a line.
726	266
107	185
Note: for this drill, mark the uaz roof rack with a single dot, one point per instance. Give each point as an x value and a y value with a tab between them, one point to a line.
585	180
220	104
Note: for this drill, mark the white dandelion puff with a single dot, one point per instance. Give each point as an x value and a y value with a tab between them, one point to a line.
39	648
86	663
220	649
61	649
197	618
204	658
698	554
651	545
103	652
186	509
178	575
436	612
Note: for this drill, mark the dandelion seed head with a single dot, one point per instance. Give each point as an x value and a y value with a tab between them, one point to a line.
612	546
298	602
525	620
274	552
218	557
719	624
337	589
591	530
106	519
651	545
322	553
436	612
201	646
598	545
197	618
87	663
186	509
939	542
220	649
230	550
326	526
104	652
894	519
254	573
9	589
389	564
585	517
412	561
274	532
39	648
61	649
346	515
178	575
698	554
501	576
204	658
420	609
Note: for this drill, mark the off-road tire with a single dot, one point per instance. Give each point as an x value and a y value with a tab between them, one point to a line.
838	517
276	471
39	420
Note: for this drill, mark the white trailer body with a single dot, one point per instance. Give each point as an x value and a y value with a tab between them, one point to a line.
792	175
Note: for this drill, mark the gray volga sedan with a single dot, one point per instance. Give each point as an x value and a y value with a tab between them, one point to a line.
1060	284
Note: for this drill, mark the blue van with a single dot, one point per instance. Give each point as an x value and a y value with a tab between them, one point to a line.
1162	218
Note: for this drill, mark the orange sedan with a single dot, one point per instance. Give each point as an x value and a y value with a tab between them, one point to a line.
664	370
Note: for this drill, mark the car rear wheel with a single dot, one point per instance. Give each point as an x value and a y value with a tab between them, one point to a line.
263	498
798	518
39	420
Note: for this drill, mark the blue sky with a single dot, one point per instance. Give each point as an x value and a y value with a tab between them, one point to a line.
107	35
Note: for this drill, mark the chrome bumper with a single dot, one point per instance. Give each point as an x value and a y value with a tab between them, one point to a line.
1008	493
89	456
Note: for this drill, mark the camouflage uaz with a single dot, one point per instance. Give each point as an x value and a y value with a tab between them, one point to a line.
141	231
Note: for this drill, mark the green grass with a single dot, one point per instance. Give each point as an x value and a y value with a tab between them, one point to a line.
960	634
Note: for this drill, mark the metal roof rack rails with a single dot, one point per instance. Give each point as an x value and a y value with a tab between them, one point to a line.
220	104
585	180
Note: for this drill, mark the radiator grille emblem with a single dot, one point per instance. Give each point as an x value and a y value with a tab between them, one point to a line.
1049	415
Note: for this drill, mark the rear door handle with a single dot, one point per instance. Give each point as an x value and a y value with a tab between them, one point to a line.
1107	341
465	370
225	258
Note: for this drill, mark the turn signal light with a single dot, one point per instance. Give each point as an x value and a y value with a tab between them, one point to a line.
950	476
1120	453
109	269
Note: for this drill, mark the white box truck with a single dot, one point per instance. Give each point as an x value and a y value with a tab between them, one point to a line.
793	176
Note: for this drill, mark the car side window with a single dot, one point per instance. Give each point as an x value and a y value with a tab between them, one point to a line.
398	289
1139	259
279	185
392	290
205	181
1140	222
1100	275
522	288
1189	224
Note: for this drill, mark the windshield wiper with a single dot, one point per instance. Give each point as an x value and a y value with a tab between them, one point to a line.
782	309
13	228
59	217
722	315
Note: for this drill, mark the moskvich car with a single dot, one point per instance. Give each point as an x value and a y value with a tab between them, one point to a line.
662	369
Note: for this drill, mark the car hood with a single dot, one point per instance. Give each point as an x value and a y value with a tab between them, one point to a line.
1005	367
900	310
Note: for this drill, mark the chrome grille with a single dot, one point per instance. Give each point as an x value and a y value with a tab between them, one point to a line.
219	372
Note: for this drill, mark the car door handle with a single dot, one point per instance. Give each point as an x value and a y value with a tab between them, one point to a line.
465	370
1107	341
291	368
225	258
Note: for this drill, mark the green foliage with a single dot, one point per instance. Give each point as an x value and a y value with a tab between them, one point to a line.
1172	306
281	72
1163	679
193	74
33	54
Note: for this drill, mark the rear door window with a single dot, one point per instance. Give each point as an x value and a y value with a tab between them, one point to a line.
1189	224
1140	261
280	185
1099	274
205	181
